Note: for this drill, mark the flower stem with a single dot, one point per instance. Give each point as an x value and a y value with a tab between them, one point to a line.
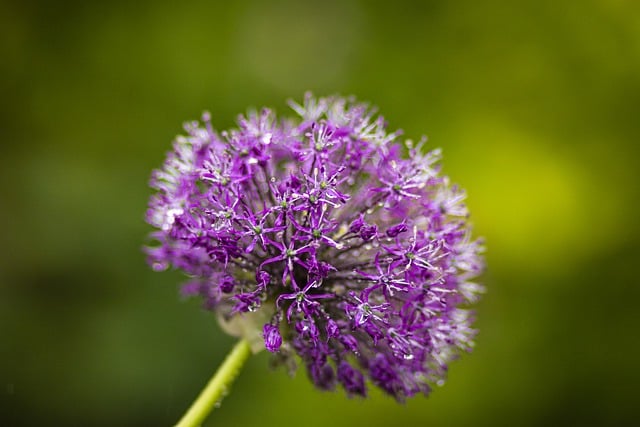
217	387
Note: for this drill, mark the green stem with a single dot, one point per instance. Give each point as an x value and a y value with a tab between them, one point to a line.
217	387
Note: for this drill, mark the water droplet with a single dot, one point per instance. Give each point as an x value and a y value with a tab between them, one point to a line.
273	179
160	266
408	356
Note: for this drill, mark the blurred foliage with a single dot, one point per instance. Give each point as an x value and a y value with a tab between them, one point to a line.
535	104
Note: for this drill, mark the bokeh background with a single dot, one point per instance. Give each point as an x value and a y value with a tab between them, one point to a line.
535	104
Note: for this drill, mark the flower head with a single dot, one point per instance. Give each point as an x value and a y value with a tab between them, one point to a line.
364	252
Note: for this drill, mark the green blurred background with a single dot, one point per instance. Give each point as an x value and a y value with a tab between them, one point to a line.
535	104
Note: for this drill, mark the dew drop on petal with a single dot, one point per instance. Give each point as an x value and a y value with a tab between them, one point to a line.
159	266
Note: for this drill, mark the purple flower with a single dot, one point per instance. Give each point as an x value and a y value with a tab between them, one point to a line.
272	338
351	379
360	257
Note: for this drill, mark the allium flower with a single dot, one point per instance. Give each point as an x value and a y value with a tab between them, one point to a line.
354	245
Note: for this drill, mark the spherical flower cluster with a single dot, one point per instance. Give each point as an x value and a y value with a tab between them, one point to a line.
354	244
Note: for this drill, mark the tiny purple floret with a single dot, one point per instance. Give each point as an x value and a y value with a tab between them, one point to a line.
272	338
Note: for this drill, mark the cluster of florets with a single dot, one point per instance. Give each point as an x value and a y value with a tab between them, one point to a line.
361	255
